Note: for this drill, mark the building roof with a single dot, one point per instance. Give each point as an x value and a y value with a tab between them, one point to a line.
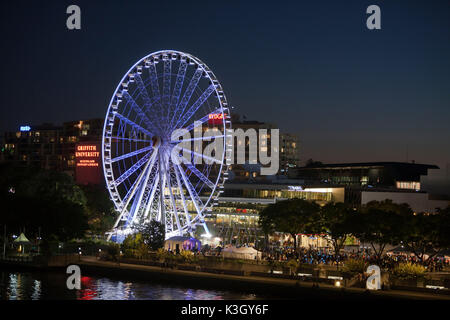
356	165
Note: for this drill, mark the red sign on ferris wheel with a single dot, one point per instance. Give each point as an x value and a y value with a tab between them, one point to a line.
215	118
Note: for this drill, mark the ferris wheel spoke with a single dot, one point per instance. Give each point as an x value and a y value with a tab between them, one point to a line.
174	206
143	191
200	175
166	82
142	90
194	196
132	124
199	155
131	154
132	169
154	80
138	109
135	187
150	201
178	86
148	102
207	138
129	192
193	109
188	93
129	139
162	182
183	199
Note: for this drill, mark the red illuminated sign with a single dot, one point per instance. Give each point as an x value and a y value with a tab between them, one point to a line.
88	169
87	151
215	118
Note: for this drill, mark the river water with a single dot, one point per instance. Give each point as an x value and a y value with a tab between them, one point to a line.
52	286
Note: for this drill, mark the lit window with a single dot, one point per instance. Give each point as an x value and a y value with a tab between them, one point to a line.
411	185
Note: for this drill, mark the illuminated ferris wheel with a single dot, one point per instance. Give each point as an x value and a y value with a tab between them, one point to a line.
149	174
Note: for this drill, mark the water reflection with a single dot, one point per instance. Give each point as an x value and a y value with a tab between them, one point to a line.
52	286
19	286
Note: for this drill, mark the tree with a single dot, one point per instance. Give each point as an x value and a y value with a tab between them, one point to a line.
33	198
336	223
135	246
100	210
291	216
313	163
380	223
427	234
153	234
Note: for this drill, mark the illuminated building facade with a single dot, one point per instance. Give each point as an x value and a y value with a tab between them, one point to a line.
391	175
235	218
289	151
48	146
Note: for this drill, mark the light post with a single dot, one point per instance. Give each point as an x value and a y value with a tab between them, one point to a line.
4	243
39	240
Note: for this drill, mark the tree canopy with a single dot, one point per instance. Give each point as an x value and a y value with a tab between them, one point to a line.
34	198
153	234
293	216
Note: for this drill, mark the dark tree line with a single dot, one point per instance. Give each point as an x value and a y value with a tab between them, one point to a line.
50	202
376	223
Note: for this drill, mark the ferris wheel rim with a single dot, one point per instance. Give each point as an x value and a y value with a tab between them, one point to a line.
226	125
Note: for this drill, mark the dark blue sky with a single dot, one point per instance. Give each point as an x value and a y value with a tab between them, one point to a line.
311	67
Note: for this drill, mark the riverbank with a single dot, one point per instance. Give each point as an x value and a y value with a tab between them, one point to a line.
279	288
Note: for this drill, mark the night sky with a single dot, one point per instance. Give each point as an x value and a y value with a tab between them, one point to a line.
311	67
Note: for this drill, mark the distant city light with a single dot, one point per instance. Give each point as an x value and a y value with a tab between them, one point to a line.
25	128
295	188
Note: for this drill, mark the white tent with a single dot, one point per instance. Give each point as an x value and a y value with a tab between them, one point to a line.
241	253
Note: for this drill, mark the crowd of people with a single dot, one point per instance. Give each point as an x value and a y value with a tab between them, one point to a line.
327	257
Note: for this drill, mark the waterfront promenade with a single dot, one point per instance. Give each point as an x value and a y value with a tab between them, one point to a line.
277	287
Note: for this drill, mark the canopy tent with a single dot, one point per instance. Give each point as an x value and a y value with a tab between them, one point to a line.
241	253
182	243
21	241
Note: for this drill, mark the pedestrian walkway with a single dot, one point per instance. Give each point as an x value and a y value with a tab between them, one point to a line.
253	280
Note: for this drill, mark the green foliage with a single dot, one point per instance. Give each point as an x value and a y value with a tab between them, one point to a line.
291	216
112	251
134	246
153	234
99	208
292	265
42	199
380	223
335	220
409	271
274	264
187	256
161	254
354	266
427	234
